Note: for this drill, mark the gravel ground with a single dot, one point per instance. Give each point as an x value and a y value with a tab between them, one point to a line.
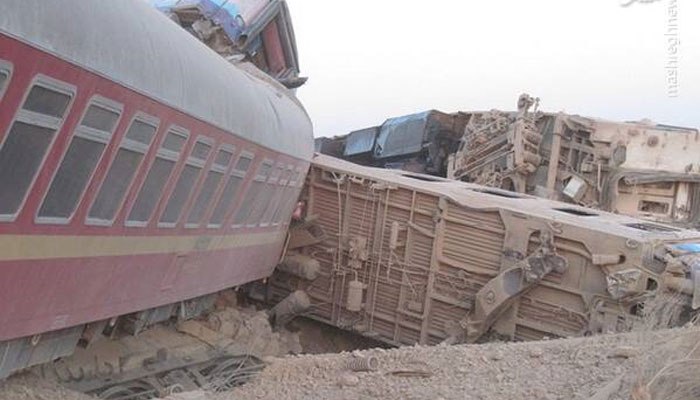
29	387
549	370
555	369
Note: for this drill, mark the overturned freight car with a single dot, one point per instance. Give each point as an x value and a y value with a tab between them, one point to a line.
420	142
409	258
641	169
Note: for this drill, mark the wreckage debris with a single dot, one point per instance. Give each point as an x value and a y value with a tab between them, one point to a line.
363	363
642	169
259	31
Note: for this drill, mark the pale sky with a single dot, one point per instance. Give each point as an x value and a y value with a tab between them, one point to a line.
368	60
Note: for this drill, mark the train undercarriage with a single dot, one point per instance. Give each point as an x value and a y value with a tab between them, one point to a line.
414	259
211	343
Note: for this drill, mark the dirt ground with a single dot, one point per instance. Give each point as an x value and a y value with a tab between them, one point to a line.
556	369
29	387
638	366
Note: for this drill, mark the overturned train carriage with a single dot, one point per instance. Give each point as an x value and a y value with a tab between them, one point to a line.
411	258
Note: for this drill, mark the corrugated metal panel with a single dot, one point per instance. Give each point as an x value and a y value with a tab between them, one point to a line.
361	141
401	135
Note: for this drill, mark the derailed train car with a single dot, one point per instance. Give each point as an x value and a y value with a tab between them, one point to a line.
420	142
259	31
409	258
641	169
140	173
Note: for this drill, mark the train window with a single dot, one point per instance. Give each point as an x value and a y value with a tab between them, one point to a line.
5	73
291	196
42	100
232	184
214	177
276	196
260	206
141	132
253	196
264	199
122	171
243	163
84	152
174	141
3	78
28	140
285	194
267	200
289	200
158	175
223	157
101	118
186	181
201	150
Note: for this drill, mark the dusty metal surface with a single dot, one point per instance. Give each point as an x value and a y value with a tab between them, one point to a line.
418	142
259	31
641	169
409	258
634	168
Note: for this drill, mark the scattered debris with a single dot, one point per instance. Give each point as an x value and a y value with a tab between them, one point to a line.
363	364
624	352
259	31
474	372
348	379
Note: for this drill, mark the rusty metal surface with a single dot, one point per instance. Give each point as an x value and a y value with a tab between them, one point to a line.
439	260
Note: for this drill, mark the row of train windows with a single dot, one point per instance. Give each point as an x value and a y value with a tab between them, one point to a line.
269	198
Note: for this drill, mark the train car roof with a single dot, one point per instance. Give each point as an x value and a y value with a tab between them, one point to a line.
134	45
482	197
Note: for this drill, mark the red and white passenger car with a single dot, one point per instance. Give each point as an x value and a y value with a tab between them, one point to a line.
137	169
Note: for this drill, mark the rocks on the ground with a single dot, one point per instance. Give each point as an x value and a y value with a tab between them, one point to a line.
552	370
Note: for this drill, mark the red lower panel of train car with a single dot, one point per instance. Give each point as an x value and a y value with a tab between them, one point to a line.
54	293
